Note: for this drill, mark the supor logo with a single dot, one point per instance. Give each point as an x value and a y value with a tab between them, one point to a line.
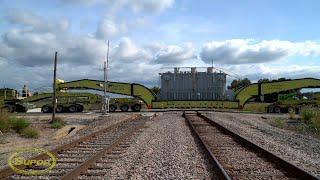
21	158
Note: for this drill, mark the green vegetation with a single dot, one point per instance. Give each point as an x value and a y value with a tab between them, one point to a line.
5	121
310	121
235	84
307	114
29	133
58	123
278	122
19	124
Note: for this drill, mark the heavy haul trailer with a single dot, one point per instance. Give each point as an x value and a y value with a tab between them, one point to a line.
9	100
291	103
67	102
253	91
261	91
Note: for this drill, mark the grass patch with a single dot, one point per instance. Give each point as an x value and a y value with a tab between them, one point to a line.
30	133
310	122
5	121
58	123
19	124
307	114
278	122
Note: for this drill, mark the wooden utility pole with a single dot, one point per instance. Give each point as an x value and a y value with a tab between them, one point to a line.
54	98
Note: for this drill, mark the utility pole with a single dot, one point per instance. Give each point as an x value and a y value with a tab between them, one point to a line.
106	98
54	98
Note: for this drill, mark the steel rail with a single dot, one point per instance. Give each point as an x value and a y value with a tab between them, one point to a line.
222	174
283	164
6	172
75	173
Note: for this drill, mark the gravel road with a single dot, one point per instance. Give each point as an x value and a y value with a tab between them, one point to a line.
301	150
165	149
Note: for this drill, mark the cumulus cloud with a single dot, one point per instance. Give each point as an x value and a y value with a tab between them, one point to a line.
128	51
106	29
29	52
149	6
36	22
173	54
37	49
246	51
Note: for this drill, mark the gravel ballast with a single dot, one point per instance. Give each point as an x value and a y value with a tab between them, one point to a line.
301	150
165	149
94	122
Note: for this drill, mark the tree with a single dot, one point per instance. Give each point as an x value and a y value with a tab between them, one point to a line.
235	84
263	80
155	90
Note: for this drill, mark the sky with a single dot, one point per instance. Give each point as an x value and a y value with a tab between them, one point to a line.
250	38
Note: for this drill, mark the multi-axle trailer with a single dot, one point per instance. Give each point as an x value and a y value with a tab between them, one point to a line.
257	91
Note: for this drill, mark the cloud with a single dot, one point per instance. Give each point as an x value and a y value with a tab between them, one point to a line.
29	53
37	49
106	29
271	71
173	54
35	22
127	51
149	6
248	51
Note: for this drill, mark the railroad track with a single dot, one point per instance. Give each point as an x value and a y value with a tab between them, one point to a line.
235	157
89	157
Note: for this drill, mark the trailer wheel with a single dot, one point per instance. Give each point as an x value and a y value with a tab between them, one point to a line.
124	108
291	109
8	108
46	109
79	108
277	109
20	108
72	108
59	109
112	108
136	107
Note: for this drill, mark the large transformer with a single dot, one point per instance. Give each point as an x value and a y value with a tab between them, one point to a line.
193	85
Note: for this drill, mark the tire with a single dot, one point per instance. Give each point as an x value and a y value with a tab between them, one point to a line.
59	109
21	108
72	108
112	108
291	110
46	109
124	108
277	109
8	108
79	108
136	107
